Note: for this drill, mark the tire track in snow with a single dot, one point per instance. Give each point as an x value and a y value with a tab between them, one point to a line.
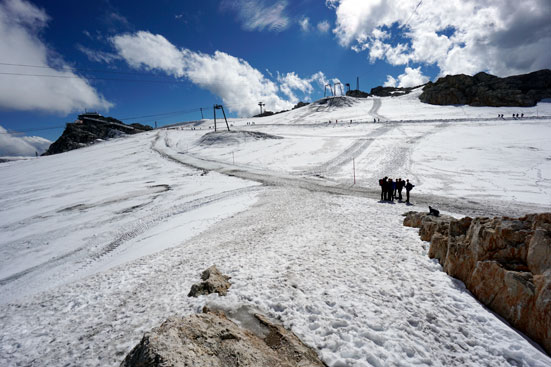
86	259
142	225
354	150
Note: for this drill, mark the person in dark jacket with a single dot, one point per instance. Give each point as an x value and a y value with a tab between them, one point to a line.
400	186
382	183
390	191
409	186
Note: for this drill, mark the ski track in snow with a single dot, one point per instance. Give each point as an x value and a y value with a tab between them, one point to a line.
374	111
354	150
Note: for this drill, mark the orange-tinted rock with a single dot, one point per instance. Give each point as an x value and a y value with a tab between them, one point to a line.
504	262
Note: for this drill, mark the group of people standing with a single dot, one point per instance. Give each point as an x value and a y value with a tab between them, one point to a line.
515	116
392	189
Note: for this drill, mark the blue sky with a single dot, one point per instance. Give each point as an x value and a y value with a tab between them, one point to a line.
182	55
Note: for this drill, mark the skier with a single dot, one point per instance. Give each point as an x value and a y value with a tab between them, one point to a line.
409	186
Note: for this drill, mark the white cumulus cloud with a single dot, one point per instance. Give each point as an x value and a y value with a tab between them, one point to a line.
502	37
15	146
63	91
259	14
240	85
412	77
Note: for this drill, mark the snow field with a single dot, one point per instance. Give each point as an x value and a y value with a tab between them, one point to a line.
97	207
476	160
341	272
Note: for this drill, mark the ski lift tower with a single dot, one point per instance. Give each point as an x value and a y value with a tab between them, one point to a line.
220	107
335	87
261	104
330	89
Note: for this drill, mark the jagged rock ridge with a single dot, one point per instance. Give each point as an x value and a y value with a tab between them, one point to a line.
90	127
488	90
505	263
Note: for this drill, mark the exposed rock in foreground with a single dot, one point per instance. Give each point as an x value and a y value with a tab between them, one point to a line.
488	90
213	282
505	262
90	127
212	340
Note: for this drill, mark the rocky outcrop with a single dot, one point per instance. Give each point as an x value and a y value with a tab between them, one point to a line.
505	263
390	91
300	104
357	93
213	282
212	340
487	90
90	127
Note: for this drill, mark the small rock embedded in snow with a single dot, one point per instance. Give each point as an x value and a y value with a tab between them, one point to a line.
213	281
211	339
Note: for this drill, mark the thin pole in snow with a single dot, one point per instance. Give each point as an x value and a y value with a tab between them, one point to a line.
354	169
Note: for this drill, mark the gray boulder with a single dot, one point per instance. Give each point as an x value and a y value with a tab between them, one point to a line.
212	340
213	281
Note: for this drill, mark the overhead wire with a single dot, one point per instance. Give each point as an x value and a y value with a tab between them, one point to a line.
70	68
95	78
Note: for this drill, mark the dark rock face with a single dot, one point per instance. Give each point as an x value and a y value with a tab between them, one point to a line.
300	104
89	128
357	94
390	91
487	90
505	263
213	282
212	340
268	113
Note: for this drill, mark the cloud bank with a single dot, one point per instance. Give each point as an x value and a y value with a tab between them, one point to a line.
459	36
63	92
234	80
14	146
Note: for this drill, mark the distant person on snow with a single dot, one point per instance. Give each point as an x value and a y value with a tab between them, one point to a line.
400	186
382	183
391	186
409	186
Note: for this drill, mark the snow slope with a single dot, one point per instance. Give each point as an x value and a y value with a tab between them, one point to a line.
71	215
101	244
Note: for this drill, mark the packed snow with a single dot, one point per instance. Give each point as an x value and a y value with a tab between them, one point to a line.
101	244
